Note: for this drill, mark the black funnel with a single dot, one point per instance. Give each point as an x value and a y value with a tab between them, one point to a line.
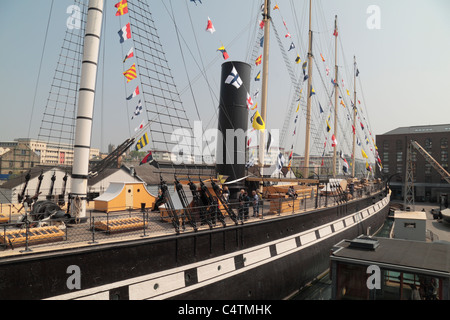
233	119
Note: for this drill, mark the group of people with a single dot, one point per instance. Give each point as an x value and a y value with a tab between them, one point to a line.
245	201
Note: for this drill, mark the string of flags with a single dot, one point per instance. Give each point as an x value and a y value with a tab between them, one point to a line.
252	104
130	74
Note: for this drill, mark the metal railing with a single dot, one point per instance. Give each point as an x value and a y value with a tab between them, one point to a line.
144	223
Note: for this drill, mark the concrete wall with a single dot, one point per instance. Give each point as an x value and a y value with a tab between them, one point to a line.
410	226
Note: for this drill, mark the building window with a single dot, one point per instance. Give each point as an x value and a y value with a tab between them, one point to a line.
428	143
385	157
386	168
399	168
444	155
385	146
399	156
399	144
427	168
444	143
11	164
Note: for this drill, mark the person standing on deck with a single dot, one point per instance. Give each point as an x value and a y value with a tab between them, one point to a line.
255	199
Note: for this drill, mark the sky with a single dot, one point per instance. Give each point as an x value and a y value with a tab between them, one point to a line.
402	56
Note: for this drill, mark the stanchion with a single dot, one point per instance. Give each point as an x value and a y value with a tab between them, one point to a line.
93	229
27	249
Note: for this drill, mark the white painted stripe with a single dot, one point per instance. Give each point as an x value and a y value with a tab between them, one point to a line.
308	238
143	287
215	269
97	296
256	256
148	289
349	221
325	231
286	246
338	226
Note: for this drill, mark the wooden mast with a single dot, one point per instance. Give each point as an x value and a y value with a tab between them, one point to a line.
336	94
354	118
265	78
308	105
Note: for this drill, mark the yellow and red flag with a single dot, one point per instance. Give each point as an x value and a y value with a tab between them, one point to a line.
258	60
130	74
122	8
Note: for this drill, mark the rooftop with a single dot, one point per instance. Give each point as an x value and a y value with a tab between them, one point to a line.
421	129
429	257
417	215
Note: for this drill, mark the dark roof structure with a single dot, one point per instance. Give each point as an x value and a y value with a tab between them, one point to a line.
421	129
427	257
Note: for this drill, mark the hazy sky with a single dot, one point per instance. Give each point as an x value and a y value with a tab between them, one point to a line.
403	61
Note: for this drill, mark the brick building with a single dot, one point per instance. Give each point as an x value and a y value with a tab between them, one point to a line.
392	148
16	158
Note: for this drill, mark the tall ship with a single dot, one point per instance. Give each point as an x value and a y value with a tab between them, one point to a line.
249	220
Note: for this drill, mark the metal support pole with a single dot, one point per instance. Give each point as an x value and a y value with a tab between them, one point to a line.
86	97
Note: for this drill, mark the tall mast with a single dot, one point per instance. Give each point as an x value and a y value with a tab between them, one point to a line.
264	82
308	105
354	118
82	147
336	94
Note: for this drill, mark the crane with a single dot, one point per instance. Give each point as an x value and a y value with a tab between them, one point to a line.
409	183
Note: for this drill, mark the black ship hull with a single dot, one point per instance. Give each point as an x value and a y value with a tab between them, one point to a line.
270	259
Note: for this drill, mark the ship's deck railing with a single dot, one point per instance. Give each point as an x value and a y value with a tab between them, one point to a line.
100	227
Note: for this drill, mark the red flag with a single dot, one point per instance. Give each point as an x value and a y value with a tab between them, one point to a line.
129	55
149	159
333	141
261	24
134	94
210	27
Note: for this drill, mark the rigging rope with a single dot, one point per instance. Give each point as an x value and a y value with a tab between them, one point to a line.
40	68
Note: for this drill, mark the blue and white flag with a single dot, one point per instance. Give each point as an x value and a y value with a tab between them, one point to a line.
138	110
234	79
280	163
250	163
125	33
